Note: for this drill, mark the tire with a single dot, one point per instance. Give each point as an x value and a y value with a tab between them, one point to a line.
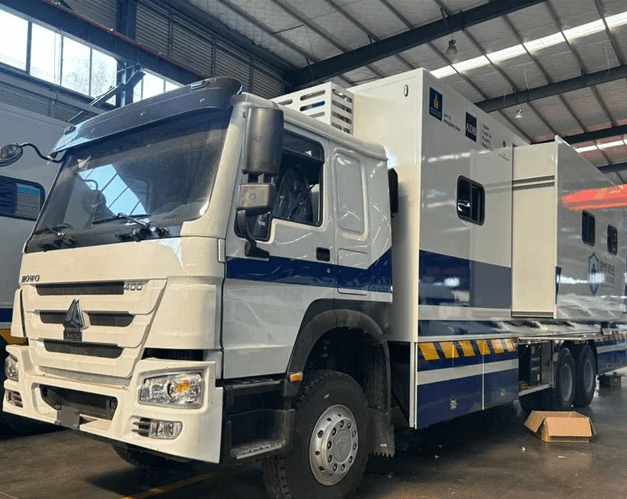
142	459
562	396
585	376
331	413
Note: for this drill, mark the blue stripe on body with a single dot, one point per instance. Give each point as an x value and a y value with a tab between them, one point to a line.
500	387
6	314
615	359
377	277
459	282
434	400
459	328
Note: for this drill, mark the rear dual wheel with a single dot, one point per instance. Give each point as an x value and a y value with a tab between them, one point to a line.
561	397
585	378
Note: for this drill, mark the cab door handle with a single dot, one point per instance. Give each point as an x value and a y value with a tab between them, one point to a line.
323	254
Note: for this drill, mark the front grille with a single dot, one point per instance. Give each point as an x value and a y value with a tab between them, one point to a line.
86	404
98	288
120	319
86	349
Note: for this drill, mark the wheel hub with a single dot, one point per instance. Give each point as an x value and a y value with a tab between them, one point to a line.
333	445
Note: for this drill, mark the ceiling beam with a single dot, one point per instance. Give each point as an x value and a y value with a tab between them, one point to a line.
82	28
560	87
603	133
335	66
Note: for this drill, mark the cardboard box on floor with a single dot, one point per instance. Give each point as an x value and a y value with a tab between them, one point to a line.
560	426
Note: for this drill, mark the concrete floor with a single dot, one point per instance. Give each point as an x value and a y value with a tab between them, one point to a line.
487	455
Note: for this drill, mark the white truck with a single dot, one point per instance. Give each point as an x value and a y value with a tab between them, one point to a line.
219	277
23	188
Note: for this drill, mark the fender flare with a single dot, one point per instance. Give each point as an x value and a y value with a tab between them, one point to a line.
322	322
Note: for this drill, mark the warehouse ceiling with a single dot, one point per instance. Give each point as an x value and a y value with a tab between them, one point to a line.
542	67
559	65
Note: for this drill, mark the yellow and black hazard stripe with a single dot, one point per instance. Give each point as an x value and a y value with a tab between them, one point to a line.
611	338
466	348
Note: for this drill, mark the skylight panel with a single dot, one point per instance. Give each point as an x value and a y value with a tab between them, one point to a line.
586	148
508	53
545	42
584	30
475	63
444	72
607	145
616	20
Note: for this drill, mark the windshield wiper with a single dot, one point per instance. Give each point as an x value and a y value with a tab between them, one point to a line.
60	237
143	229
54	229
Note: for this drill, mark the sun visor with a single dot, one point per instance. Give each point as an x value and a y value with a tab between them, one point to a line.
213	93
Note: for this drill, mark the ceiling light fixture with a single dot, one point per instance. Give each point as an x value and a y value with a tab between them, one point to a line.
451	51
518	115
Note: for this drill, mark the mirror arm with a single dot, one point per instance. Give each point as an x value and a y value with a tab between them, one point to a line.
47	158
251	248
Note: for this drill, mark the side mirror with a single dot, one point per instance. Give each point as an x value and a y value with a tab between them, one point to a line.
10	153
264	141
254	199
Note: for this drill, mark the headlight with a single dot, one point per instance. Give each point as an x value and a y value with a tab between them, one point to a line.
182	390
10	368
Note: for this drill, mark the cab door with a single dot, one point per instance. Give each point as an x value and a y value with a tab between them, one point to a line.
265	299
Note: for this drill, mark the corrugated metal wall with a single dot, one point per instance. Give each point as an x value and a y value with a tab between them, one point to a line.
186	41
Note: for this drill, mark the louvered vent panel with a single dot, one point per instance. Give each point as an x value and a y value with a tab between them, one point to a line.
327	102
153	28
99	11
24	99
266	85
192	49
230	65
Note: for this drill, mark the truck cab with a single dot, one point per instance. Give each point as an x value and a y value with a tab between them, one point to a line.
196	252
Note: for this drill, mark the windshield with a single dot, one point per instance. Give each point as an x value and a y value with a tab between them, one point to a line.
161	175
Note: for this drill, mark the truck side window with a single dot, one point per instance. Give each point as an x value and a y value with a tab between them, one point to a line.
612	240
298	195
470	200
587	227
20	198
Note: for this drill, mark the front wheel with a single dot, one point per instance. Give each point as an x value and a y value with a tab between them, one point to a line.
329	445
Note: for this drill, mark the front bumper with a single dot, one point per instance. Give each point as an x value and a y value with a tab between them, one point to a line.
199	438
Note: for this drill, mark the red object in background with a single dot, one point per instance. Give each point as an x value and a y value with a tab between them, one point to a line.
594	199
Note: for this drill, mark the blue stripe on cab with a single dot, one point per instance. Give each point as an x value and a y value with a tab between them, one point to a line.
377	277
459	282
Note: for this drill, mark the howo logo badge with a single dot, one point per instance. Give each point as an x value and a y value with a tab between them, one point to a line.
75	321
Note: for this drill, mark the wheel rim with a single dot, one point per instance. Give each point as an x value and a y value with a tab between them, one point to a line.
588	376
566	382
333	445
